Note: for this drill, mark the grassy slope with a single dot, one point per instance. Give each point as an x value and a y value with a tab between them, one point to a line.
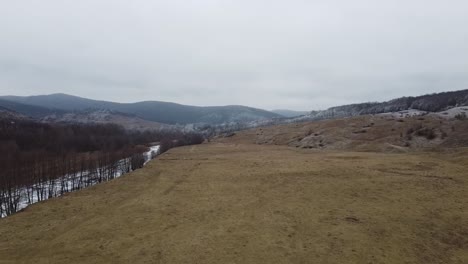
241	203
364	133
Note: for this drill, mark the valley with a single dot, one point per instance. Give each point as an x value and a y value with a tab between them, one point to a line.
235	200
234	132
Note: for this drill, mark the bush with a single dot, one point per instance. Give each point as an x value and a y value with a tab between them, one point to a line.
427	133
461	116
444	135
176	140
410	131
137	161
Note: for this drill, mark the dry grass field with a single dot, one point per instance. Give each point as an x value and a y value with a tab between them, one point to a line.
244	203
378	133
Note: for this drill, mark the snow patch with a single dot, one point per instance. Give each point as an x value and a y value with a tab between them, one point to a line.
73	182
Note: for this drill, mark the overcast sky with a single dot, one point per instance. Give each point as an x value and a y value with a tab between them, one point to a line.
296	54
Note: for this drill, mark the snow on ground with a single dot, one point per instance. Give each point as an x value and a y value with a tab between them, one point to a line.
449	113
452	112
150	154
70	182
405	113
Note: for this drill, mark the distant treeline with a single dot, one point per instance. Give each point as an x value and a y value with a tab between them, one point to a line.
39	161
61	138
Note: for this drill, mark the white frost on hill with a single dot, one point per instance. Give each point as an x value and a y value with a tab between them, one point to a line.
405	113
451	113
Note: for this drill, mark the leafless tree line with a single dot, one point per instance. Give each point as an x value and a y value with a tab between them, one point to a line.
27	178
39	161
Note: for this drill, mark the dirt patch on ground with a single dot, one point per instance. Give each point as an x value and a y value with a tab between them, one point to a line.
234	203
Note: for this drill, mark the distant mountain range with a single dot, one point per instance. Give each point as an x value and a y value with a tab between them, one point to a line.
161	112
154	114
27	109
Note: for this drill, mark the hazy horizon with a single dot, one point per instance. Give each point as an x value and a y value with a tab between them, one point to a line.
268	109
296	55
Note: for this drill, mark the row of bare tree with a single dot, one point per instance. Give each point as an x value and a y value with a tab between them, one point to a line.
40	161
27	178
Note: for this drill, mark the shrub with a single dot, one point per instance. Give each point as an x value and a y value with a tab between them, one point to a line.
444	135
427	133
461	116
137	160
176	140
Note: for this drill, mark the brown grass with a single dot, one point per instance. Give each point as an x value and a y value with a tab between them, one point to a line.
364	133
241	203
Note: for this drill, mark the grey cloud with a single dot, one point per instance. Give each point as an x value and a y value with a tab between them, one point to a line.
270	54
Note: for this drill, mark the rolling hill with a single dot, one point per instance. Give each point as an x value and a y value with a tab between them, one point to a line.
147	114
263	196
128	121
162	112
382	133
6	114
27	109
429	103
290	113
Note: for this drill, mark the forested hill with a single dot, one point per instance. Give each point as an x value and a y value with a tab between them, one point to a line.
429	103
171	113
27	109
162	112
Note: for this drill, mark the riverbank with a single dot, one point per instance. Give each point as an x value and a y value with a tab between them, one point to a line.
26	196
